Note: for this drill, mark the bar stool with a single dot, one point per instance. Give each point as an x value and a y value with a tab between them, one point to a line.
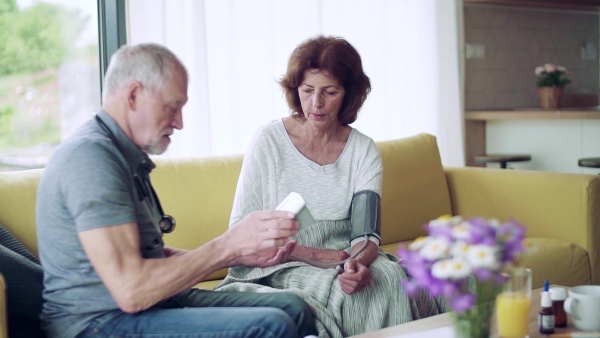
503	159
589	162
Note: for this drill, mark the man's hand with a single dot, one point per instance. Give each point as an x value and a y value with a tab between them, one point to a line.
355	276
171	251
262	238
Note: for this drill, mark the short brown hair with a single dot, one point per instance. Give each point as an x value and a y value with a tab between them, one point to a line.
341	60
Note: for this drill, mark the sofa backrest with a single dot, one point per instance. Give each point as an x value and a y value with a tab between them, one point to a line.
414	187
201	190
17	205
199	193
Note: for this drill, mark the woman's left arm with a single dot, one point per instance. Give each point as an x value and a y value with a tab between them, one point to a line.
369	178
356	273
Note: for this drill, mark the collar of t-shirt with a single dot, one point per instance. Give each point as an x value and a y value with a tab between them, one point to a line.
137	159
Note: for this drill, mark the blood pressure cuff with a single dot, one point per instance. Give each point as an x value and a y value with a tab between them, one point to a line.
366	215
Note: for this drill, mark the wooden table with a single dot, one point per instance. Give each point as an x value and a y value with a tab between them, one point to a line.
444	320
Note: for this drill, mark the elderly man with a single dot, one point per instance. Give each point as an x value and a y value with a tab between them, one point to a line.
106	270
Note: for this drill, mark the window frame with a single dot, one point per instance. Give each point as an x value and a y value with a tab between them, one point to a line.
112	31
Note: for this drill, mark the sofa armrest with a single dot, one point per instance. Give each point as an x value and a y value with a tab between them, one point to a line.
3	314
551	205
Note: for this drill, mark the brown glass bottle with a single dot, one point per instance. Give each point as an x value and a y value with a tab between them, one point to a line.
558	296
546	316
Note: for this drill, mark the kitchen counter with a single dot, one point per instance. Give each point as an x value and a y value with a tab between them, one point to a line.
475	121
577	113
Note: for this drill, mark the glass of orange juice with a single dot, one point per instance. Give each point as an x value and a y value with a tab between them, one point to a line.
513	304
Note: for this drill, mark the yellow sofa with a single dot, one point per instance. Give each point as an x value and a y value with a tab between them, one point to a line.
561	211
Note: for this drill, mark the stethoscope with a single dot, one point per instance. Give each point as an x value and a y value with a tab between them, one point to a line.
167	222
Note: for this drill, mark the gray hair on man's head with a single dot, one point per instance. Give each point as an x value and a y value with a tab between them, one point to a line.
149	63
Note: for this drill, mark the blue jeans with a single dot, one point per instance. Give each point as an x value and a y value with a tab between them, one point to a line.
203	313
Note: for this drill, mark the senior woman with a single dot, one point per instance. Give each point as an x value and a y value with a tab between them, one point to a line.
337	170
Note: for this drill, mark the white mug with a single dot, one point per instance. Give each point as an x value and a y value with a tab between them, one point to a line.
583	304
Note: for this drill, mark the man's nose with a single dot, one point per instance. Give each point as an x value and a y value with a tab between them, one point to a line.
178	121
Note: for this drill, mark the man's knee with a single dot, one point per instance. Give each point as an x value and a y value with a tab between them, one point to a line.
277	323
295	303
300	311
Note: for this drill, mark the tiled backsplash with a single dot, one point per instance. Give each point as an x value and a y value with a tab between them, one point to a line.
515	41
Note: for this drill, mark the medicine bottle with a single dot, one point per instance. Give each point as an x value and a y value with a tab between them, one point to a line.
558	296
546	316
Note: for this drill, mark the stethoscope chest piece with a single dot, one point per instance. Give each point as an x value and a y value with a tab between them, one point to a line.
167	224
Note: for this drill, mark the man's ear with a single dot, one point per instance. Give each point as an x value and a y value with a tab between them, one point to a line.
133	94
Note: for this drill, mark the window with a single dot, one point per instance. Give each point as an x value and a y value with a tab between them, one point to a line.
49	76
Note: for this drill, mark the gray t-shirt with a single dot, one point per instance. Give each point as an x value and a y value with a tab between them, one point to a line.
88	184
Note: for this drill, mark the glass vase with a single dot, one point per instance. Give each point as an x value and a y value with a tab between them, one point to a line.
477	321
474	323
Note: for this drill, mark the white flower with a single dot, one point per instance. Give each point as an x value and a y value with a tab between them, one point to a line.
459	250
439	222
561	69
550	67
461	231
455	268
539	70
445	220
418	243
494	223
435	248
483	256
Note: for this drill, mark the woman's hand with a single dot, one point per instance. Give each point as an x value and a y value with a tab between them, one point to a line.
356	273
355	276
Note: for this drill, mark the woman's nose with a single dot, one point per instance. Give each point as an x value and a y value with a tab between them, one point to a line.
317	100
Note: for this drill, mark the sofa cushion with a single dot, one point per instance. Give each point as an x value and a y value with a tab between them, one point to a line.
10	242
417	191
24	284
546	256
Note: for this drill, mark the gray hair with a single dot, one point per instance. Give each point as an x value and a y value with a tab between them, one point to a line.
151	64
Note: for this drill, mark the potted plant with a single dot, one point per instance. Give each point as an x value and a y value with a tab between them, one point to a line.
551	82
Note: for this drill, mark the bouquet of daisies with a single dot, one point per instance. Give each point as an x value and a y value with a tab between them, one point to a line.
462	260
